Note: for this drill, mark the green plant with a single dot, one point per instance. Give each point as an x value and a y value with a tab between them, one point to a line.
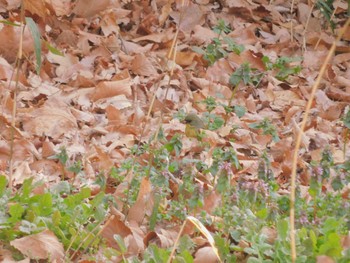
72	216
216	49
245	74
267	127
211	104
282	66
327	9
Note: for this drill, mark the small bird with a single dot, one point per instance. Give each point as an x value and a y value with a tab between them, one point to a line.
193	125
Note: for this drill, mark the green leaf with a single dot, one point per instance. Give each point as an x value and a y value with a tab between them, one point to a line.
282	229
37	41
53	50
210	103
45	204
174	144
16	211
28	227
221	27
56	218
332	246
313	238
26	188
61	187
262	213
233	46
185	244
337	183
216	123
253	260
184	257
156	255
10	23
241	74
62	156
223	183
198	50
240	110
121	244
153	217
267	62
3	183
98	199
330	225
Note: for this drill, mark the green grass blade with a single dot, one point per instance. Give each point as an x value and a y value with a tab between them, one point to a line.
53	50
9	23
37	41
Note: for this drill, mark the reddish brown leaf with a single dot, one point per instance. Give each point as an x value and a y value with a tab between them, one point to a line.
36	7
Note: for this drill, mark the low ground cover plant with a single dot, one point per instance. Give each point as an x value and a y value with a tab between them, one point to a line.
187	164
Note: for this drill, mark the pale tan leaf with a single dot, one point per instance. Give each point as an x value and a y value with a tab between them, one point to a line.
6	257
22	173
61	7
44	245
205	255
88	8
191	16
108	89
141	65
53	122
202	35
324	259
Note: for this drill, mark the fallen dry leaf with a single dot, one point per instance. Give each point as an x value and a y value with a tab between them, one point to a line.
143	204
141	65
43	245
205	255
50	121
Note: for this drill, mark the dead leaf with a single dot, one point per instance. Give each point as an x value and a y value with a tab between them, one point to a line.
141	65
109	89
115	227
191	16
202	35
36	7
10	39
205	255
50	121
324	259
89	8
144	203
22	173
184	58
61	7
44	245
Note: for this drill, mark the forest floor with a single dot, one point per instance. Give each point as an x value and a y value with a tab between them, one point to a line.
127	124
